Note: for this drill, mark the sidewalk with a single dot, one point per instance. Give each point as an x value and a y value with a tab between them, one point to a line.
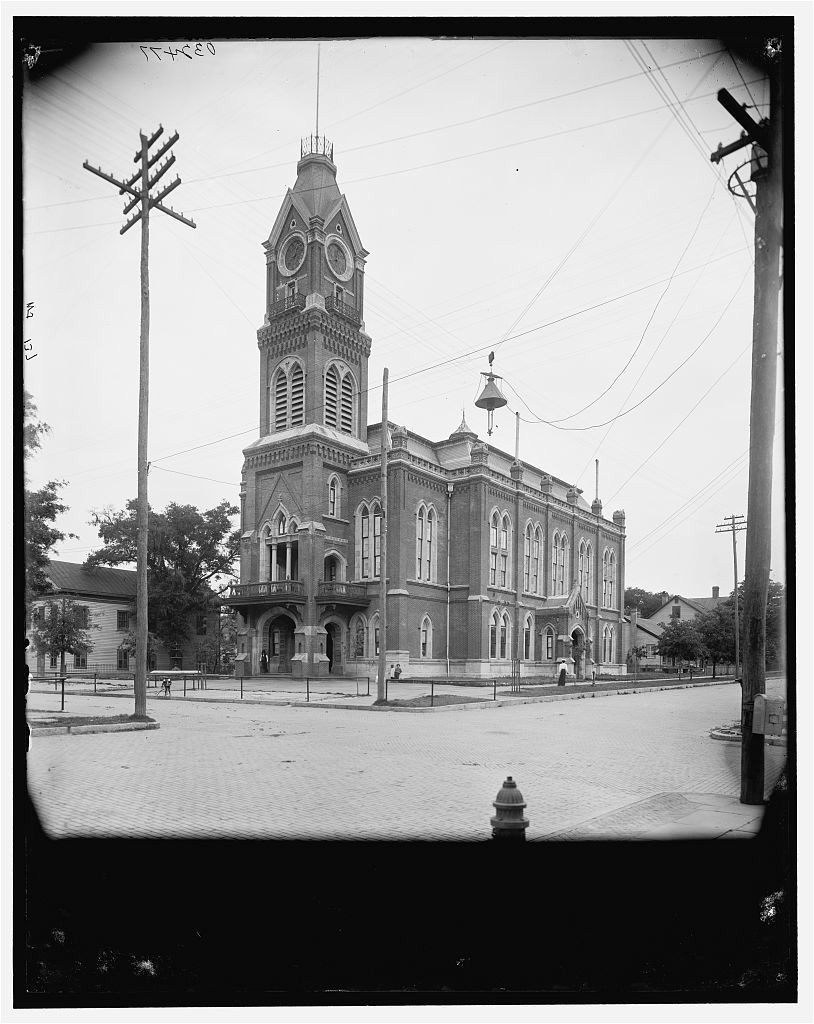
361	694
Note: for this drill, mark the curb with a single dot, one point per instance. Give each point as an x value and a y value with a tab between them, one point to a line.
61	730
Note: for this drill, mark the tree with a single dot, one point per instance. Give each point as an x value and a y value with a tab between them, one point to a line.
59	630
645	602
189	553
775	621
717	631
681	640
41	508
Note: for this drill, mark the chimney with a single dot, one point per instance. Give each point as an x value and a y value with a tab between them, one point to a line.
716	591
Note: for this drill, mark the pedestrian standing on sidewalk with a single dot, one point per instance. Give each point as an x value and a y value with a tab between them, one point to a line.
397	672
563	673
593	676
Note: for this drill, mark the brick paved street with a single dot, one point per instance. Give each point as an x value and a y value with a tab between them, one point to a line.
220	770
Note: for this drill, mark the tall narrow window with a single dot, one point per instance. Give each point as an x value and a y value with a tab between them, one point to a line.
493	636
555	548
493	548
426	637
612	582
583	572
377	542
428	550
419	542
332	497
527	558
527	640
549	644
365	545
535	562
589	573
504	635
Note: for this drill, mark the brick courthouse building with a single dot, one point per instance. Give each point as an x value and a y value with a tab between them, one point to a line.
488	558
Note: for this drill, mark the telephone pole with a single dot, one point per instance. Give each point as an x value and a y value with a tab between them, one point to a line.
140	197
766	139
735	524
383	552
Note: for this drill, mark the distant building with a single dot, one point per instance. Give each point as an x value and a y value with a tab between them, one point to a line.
106	598
674	607
489	559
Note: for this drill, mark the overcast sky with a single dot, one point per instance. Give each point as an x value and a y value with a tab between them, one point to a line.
547	199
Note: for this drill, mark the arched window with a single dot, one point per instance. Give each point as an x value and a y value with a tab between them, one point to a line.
527	542
334	493
608	578
356	636
364	537
377	541
503	567
528	651
493	548
607	644
555	547
589	574
425	543
549	644
282	524
287	396
505	638
561	565
493	635
426	637
373	637
582	570
339	396
536	547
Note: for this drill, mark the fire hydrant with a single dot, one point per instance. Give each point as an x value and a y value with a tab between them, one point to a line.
508	822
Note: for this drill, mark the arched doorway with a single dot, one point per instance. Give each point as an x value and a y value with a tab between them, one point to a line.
333	648
278	642
578	652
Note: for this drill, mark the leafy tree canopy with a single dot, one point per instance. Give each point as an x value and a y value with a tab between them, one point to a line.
59	630
189	553
643	600
717	631
41	508
681	640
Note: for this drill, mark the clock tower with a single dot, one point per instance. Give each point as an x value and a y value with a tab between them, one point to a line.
296	536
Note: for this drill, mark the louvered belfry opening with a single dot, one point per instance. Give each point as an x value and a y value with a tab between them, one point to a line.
347	404
331	397
297	396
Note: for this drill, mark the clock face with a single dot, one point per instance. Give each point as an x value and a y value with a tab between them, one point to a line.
295	250
337	260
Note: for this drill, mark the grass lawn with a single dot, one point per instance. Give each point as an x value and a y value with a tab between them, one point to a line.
59	719
439	700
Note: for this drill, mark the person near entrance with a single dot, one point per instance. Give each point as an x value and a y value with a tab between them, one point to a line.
593	675
563	673
397	672
264	661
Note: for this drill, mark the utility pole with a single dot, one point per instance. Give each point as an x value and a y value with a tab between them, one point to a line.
766	139
141	198
735	524
383	562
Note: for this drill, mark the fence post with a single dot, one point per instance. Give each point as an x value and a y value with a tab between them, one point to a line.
432	693
63	694
241	687
307	690
494	689
94	682
185	686
368	686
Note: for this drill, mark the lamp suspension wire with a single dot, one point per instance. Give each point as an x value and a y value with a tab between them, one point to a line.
317	117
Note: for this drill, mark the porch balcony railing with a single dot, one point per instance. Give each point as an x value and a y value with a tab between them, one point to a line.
268	590
295	301
334	305
341	592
